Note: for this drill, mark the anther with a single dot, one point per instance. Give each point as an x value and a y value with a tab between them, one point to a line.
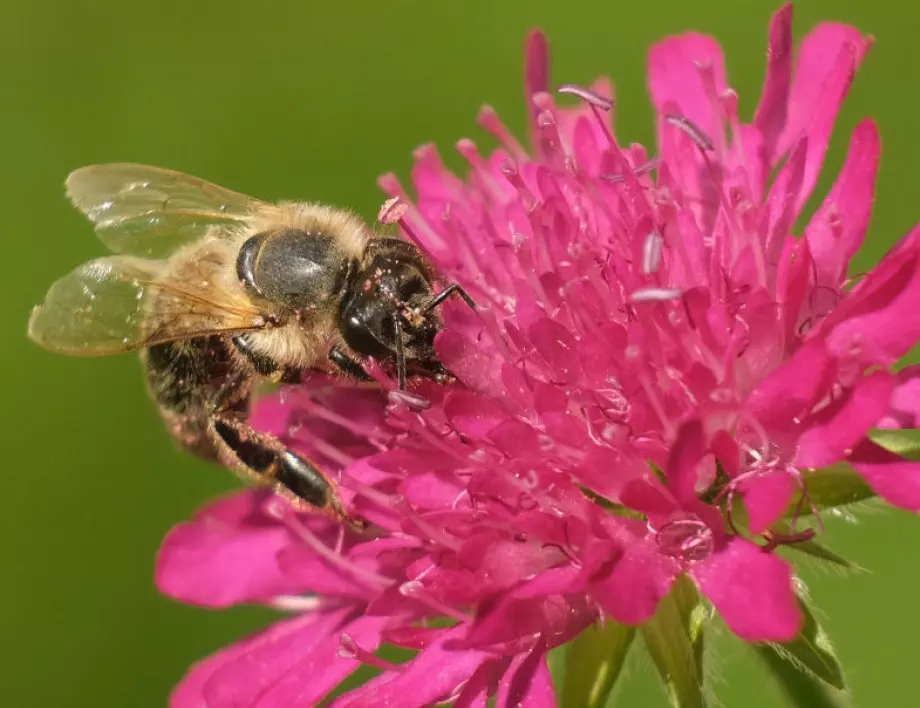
411	400
651	252
588	96
350	649
655	294
692	131
393	210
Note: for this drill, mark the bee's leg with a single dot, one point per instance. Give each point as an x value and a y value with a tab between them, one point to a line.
446	293
265	460
263	365
348	365
228	392
400	354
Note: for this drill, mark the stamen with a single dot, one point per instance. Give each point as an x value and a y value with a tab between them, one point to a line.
412	401
639	171
302	432
415	590
281	511
390	184
651	253
467	148
295	603
362	431
391	502
588	96
489	120
775	538
350	649
692	131
393	210
547	130
647	167
655	294
510	170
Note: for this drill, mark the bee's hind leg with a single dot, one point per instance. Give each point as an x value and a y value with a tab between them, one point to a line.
265	460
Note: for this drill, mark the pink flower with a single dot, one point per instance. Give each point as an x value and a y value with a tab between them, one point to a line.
652	344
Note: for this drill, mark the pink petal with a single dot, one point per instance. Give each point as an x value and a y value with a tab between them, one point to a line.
749	153
476	691
536	76
649	497
474	365
472	415
294	662
752	590
316	575
557	346
783	398
684	462
794	282
766	498
560	580
640	578
895	478
434	674
834	431
905	400
674	78
226	555
837	229
510	623
782	204
528	682
770	117
503	562
322	669
827	60
878	321
431	490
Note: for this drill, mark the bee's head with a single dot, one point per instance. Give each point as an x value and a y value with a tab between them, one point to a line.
385	297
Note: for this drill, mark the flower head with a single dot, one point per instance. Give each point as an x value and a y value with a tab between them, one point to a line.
655	365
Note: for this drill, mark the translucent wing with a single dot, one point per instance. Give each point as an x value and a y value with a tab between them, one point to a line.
148	211
120	303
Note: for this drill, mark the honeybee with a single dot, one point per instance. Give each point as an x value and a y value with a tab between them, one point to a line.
218	290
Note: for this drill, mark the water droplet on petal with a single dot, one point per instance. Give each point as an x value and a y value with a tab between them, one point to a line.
686	537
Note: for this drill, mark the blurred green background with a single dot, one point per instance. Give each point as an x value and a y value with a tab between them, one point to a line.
314	100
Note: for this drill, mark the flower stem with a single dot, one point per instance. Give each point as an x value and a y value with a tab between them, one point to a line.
594	662
674	638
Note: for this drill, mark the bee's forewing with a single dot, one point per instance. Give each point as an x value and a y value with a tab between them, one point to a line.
149	211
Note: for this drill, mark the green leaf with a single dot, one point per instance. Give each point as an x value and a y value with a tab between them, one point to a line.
594	662
839	484
674	638
802	690
811	653
830	487
820	552
903	442
556	661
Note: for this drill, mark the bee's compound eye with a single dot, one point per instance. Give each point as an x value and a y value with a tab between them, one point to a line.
245	261
367	326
